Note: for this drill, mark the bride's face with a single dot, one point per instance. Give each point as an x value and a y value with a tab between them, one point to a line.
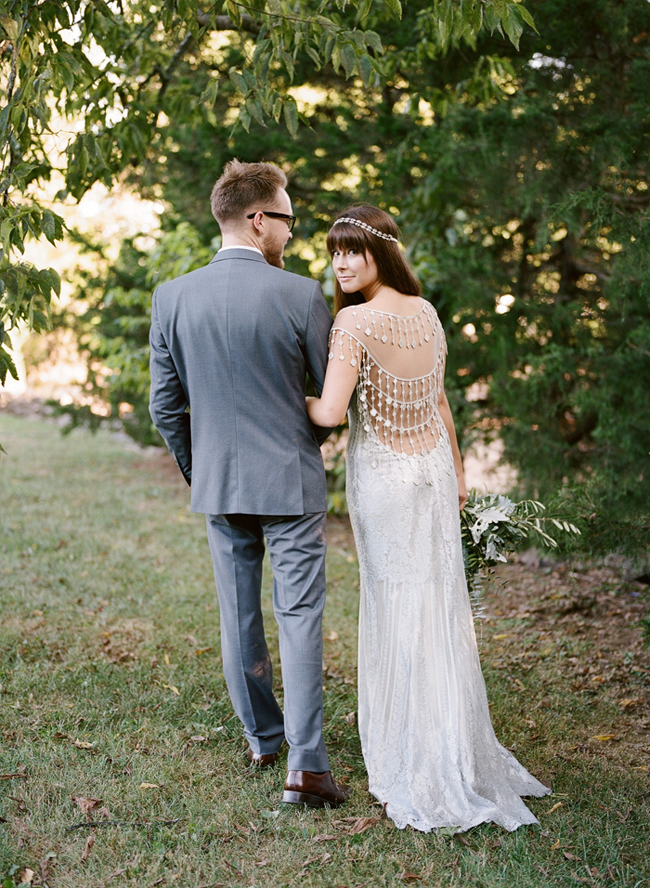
354	271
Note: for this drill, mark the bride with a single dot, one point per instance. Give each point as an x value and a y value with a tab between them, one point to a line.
428	743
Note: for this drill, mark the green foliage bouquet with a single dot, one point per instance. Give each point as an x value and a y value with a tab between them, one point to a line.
493	525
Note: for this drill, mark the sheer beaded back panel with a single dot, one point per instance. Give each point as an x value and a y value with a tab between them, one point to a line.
401	361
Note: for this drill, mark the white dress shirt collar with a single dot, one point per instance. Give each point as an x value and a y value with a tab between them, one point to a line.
241	247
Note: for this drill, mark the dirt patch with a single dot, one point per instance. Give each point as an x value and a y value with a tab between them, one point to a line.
122	641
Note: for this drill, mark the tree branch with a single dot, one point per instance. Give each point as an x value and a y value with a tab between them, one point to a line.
225	23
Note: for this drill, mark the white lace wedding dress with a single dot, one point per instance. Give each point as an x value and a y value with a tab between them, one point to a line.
427	739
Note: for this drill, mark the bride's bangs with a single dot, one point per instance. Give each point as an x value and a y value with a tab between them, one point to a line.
347	237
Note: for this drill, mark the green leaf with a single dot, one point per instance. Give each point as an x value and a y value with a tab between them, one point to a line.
255	110
249	77
313	55
492	18
366	69
48	226
373	40
209	94
5	234
291	117
245	119
349	59
527	17
238	81
512	24
12	28
364	8
234	12
6	365
395	7
55	280
288	63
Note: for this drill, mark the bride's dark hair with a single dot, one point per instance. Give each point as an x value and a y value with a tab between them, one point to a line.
392	268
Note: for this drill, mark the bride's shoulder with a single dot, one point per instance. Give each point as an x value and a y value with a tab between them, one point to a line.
347	319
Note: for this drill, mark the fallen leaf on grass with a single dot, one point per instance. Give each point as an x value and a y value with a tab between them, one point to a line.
409	877
350	719
463	841
323	858
324	837
555	846
364	823
569	856
47	867
22	826
555	807
149	786
309	861
27	876
603	738
199	651
171	688
90	841
333	636
84	744
20	803
86	805
262	862
629	702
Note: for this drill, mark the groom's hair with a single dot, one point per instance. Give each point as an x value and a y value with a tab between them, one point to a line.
244	186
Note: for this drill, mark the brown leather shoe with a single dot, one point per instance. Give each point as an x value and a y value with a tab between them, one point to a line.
261	759
315	790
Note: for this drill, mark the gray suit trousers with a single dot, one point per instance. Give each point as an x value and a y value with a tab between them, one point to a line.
297	551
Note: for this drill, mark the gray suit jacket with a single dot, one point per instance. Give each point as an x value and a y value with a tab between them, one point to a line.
231	344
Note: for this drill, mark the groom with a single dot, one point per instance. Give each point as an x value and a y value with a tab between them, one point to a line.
231	344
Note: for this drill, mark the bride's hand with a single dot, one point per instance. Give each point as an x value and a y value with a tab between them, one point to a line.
462	491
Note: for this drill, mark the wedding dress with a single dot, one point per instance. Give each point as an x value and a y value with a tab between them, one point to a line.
428	743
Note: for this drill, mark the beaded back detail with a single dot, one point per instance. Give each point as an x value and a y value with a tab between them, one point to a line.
401	363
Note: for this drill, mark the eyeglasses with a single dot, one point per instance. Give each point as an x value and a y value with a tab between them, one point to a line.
290	220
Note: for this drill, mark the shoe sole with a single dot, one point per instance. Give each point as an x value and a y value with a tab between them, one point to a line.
305	798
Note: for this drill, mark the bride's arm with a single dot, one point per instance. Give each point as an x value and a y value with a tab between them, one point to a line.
445	413
329	410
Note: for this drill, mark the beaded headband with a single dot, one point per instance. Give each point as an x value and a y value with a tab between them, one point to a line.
359	224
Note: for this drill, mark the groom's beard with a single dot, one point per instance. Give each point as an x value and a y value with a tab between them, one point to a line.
273	253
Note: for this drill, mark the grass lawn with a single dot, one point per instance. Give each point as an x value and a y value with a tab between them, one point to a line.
111	689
